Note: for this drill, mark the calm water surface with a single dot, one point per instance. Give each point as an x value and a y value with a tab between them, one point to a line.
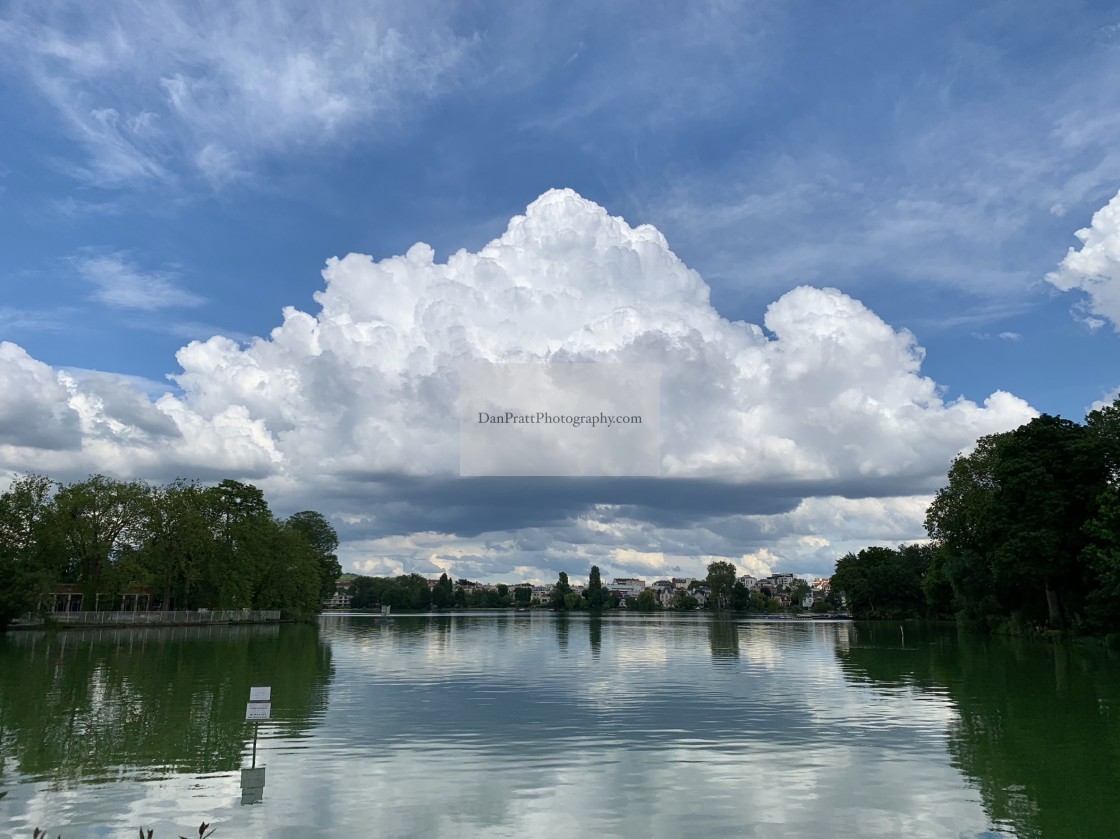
532	725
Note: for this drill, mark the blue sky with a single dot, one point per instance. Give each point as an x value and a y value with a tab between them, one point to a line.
171	173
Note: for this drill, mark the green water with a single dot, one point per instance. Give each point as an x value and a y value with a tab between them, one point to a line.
532	725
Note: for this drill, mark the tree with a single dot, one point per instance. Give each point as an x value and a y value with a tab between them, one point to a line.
1102	556
1010	525
646	601
324	541
798	592
523	595
177	527
29	545
560	590
288	574
762	603
740	597
883	583
720	580
99	518
684	602
365	592
596	596
442	593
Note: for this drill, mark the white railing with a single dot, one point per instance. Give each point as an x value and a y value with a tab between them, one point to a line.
201	616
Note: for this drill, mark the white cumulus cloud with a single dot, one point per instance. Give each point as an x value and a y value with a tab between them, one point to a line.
1095	268
355	405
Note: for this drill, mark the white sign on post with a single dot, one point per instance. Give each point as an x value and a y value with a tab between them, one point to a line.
257	711
260	704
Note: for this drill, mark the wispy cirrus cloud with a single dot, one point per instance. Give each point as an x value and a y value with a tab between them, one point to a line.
158	91
119	283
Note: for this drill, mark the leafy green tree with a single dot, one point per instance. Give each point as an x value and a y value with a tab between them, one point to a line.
762	603
646	601
684	602
288	574
522	595
366	592
560	591
1102	556
883	583
99	518
596	596
177	527
244	528
740	599
29	545
720	581
1011	524
442	594
798	592
324	541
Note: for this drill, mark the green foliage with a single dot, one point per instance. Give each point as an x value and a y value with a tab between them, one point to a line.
1023	529
740	597
29	545
523	595
560	591
765	603
408	592
720	580
884	583
684	602
797	594
596	595
323	539
214	548
646	601
442	593
1102	556
98	519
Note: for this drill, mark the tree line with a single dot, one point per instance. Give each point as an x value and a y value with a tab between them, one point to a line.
414	592
1024	536
194	546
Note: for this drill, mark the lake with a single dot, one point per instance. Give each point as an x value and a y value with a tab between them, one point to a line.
529	724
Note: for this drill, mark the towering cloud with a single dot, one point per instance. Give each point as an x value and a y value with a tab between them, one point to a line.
343	402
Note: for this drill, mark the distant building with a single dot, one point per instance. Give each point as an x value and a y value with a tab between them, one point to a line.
749	581
627	586
340	599
783	581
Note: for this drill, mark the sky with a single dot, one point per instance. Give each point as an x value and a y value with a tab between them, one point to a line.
257	240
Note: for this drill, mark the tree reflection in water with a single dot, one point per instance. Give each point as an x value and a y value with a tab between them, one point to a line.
91	705
1037	725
